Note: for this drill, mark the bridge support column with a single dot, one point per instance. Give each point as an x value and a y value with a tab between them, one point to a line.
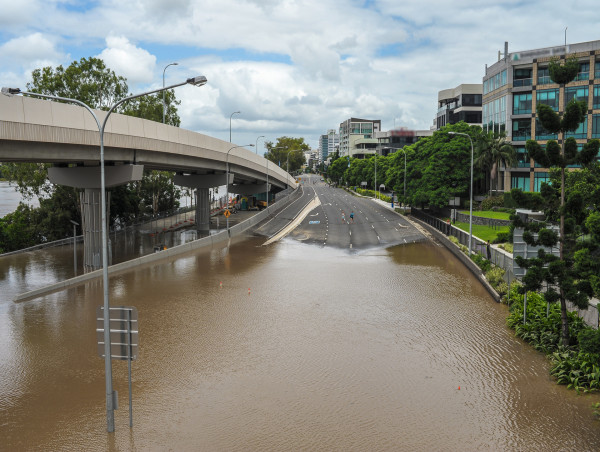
202	182
202	211
88	178
91	225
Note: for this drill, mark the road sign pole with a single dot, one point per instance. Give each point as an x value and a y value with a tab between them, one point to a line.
129	354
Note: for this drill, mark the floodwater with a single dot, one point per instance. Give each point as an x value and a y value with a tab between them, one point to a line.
287	347
10	198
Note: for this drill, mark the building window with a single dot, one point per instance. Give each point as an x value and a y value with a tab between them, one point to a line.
596	96
522	104
521	182
584	72
543	134
597	70
543	74
522	77
471	100
548	97
539	179
595	126
578	93
494	82
580	133
521	129
522	157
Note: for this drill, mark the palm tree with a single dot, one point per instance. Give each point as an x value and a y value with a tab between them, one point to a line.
492	150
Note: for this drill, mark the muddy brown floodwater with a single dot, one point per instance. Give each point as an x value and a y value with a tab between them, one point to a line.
300	348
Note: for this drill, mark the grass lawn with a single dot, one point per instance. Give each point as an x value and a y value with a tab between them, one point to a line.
483	232
489	214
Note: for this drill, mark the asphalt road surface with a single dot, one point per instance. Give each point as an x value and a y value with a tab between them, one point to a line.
330	224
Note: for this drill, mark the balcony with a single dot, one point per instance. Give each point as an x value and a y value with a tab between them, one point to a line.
521	135
521	82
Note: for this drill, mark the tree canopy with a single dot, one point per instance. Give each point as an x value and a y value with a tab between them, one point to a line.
287	146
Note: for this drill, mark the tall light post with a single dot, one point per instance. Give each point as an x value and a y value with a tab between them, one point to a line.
268	191
110	396
256	147
471	190
75	224
163	91
287	164
227	179
230	116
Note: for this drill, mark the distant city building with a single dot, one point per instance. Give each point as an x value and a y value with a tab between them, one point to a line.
328	144
462	103
392	140
516	83
357	137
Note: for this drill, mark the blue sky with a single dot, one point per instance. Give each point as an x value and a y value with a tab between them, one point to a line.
293	68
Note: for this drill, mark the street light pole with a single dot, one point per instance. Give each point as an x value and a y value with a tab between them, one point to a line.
256	147
163	93
75	224
110	397
230	116
471	190
227	180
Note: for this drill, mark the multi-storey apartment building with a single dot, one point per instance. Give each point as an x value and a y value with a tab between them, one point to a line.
328	144
462	103
517	83
392	140
357	136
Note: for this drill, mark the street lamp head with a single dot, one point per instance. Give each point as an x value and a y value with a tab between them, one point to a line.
10	91
197	81
74	222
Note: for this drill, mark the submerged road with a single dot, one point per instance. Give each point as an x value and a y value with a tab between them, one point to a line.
330	223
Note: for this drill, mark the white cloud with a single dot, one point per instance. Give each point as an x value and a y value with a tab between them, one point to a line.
30	49
134	63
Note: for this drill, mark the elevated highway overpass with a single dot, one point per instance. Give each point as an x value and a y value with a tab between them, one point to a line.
37	130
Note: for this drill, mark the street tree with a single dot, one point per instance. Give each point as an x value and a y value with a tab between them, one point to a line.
278	152
566	277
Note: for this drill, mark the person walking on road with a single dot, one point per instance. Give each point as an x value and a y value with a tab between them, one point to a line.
343	217
352	217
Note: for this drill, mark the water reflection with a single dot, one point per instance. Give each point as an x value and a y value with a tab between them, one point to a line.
288	347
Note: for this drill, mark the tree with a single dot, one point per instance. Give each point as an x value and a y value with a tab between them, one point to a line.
492	149
278	152
87	80
440	167
565	277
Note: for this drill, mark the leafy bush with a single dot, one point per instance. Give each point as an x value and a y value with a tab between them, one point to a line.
453	239
492	201
481	262
589	341
503	237
508	247
495	276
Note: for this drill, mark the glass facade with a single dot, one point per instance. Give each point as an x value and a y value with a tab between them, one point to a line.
522	77
548	97
495	82
543	76
522	157
584	72
578	93
520	181
494	115
597	70
596	100
522	104
595	126
543	134
539	179
521	129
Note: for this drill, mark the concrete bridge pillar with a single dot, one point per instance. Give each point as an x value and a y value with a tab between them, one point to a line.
88	179
202	182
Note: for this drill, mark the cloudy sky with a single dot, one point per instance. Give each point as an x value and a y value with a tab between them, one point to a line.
292	67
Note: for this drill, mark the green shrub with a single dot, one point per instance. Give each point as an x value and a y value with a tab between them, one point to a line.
481	262
495	276
589	341
503	237
453	239
508	247
492	201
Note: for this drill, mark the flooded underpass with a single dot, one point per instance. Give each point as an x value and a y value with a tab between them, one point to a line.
287	347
